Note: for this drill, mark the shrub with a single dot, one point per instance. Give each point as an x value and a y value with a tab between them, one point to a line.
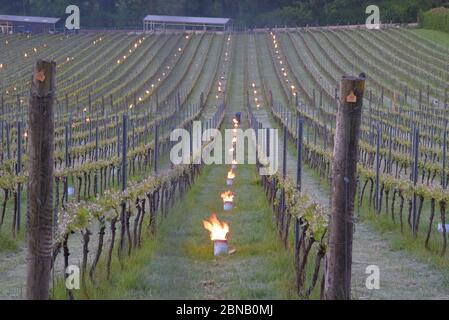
436	19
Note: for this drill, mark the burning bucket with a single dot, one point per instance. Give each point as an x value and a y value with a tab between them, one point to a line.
218	231
230	178
234	164
228	198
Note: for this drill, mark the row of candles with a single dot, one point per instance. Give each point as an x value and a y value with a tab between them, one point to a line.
218	230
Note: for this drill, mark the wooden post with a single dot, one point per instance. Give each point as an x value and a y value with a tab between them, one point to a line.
344	171
41	123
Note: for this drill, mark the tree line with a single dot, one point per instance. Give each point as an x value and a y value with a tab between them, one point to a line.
246	13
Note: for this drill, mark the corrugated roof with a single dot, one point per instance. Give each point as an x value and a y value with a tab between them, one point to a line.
29	19
177	19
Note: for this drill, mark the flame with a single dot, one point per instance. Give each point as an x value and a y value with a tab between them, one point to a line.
234	139
227	196
218	230
234	161
231	174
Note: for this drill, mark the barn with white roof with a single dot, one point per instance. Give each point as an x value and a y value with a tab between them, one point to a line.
156	22
11	24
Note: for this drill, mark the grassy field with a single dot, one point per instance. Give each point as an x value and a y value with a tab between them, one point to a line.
439	37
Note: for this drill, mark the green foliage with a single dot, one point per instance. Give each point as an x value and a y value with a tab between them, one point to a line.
129	13
436	19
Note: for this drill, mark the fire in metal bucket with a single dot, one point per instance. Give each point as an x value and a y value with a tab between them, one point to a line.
234	164
228	198
218	231
230	178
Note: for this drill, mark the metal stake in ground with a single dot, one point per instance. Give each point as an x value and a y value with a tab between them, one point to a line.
18	170
344	168
444	175
156	146
377	191
66	159
8	141
299	147
41	161
124	149
415	178
298	181
123	184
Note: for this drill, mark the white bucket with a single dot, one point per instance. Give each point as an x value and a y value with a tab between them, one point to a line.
227	206
220	247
